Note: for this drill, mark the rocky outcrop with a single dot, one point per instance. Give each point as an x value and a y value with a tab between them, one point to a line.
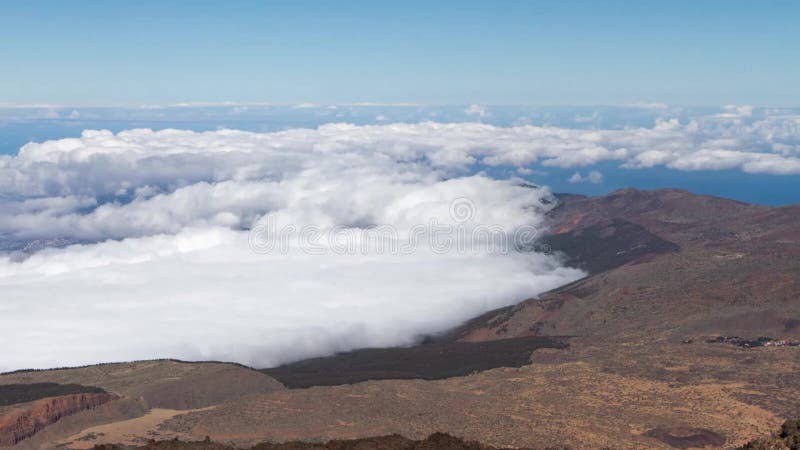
438	441
22	423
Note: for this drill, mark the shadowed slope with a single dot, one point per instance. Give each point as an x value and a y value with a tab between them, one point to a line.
429	361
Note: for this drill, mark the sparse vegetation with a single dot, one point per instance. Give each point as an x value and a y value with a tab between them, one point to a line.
11	394
787	439
436	441
431	361
762	341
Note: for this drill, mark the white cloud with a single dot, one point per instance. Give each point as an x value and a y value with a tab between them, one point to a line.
524	171
587	118
646	105
203	294
203	104
178	278
593	177
476	110
138	176
735	111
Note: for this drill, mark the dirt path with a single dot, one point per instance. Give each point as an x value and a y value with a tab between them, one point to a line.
128	432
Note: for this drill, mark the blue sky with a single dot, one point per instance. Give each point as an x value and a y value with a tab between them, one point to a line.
92	65
444	52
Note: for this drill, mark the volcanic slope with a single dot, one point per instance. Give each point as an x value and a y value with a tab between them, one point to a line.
664	264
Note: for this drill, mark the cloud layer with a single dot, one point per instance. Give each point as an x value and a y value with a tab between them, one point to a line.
161	265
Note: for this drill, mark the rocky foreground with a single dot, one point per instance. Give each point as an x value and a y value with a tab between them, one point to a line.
436	441
787	438
21	424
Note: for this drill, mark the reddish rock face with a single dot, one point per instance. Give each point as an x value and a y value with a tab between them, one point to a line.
23	423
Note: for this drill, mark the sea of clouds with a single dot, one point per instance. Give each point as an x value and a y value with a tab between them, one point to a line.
162	262
139	245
